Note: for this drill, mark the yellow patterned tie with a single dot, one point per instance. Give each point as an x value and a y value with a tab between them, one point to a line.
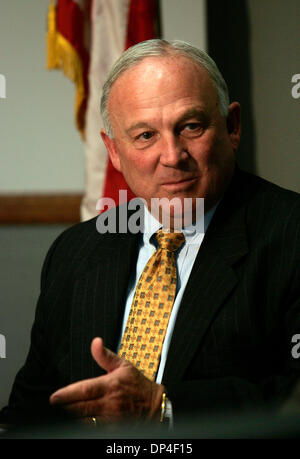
151	307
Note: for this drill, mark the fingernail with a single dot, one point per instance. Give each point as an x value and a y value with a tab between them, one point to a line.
54	399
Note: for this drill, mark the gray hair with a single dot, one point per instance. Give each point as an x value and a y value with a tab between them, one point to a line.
160	48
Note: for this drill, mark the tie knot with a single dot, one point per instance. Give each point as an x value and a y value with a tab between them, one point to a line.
169	241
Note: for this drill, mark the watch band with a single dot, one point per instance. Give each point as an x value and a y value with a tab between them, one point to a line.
166	410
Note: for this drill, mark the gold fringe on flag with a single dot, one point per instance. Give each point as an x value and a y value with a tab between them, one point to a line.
51	37
62	55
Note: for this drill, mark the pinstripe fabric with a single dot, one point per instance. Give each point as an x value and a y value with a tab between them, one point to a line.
242	301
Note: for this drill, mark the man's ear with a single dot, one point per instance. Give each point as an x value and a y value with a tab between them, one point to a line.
112	150
234	124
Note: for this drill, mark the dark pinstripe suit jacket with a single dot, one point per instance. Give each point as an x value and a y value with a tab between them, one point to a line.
231	346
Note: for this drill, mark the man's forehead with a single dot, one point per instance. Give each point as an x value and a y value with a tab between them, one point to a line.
156	68
156	77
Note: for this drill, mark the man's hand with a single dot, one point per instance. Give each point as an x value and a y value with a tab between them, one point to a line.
124	392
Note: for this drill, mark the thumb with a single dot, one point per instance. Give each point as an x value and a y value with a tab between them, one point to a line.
105	358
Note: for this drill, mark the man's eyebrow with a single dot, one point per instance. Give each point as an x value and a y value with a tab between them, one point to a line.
193	113
139	125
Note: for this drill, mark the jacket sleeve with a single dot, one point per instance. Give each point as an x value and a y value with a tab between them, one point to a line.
35	381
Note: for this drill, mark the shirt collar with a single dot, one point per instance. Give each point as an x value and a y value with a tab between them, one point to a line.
151	226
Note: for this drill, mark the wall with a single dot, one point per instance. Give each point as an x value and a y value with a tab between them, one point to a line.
275	51
184	20
40	150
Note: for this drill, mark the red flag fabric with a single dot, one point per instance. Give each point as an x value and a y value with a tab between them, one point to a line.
142	21
85	37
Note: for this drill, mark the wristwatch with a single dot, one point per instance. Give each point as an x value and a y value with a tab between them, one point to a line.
166	410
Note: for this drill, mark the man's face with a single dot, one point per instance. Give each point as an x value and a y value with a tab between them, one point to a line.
169	137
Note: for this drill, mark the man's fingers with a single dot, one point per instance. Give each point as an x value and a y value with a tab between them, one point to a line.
82	409
105	358
88	389
93	388
100	409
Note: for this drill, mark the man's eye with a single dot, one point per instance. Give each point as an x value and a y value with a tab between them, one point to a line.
192	126
145	135
191	129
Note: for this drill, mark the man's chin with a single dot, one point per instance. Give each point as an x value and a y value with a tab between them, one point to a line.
177	213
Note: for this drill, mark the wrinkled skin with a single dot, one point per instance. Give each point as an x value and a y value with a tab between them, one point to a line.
122	393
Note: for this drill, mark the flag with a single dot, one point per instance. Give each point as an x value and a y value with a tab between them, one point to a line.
142	25
68	48
85	38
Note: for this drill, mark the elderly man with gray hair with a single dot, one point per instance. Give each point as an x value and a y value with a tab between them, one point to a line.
167	322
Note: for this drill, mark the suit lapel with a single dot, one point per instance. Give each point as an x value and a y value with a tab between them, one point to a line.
108	317
211	281
99	299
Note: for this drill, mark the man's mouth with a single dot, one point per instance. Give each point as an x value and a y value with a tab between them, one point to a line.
174	185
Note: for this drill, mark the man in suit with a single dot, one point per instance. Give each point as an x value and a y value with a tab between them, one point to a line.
170	129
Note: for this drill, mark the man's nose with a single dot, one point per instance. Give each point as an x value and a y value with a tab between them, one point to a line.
173	151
